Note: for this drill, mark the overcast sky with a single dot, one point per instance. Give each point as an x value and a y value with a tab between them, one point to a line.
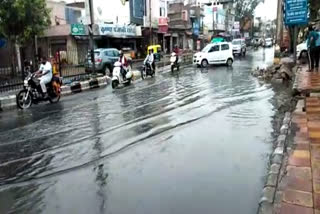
268	9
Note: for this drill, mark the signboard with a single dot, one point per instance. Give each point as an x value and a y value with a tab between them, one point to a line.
196	27
296	12
118	30
78	29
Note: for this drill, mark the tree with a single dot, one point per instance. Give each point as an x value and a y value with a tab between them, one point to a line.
245	9
21	20
314	9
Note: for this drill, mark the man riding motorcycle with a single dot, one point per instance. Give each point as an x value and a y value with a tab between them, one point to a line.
45	75
124	64
150	60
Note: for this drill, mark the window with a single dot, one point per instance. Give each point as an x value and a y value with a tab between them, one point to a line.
116	53
224	47
162	12
109	53
214	48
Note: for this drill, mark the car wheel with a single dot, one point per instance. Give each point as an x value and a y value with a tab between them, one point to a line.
107	71
204	63
303	54
229	62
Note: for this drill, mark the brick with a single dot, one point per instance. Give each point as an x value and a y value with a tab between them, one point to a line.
314	134
315	109
299	178
294	209
298	198
316	199
302	146
299	158
315	152
316	185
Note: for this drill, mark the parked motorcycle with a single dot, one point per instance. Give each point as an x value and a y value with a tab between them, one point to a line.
147	71
117	77
174	62
32	94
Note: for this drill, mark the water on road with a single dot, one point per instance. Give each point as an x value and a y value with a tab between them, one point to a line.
193	142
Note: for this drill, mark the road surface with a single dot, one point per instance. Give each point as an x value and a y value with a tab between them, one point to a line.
193	142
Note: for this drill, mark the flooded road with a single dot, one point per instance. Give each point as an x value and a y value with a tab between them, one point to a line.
197	142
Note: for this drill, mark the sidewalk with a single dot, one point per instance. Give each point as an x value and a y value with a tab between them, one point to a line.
300	186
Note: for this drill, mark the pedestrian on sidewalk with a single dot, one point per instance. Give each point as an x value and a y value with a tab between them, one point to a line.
314	49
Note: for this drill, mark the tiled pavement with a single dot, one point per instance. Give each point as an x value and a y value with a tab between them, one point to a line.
307	81
301	193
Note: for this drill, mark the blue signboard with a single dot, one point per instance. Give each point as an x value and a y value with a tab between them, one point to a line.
296	12
196	27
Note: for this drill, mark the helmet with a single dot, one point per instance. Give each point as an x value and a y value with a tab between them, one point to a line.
173	54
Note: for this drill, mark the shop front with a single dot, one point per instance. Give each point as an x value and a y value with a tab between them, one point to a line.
121	37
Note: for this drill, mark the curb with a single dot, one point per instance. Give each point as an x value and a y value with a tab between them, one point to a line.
276	163
9	102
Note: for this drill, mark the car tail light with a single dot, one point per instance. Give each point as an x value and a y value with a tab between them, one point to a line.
98	60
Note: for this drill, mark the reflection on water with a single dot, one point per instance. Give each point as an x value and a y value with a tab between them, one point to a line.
197	133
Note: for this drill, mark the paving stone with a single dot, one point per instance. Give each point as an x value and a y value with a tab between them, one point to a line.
298	198
287	208
316	211
316	199
316	185
302	146
299	178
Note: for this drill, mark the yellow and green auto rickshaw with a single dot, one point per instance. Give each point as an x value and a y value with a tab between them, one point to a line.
156	51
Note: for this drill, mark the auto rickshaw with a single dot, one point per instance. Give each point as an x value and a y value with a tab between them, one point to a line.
156	51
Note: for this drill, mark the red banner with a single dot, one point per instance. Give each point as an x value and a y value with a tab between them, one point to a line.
163	21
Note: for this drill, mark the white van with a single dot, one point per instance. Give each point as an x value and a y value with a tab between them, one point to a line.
215	53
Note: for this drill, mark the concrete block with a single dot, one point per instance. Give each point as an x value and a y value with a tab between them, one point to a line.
265	208
272	180
267	195
275	168
278	151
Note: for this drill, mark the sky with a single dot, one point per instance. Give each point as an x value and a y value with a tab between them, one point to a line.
267	9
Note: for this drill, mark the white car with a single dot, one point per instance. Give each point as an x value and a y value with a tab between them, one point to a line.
302	50
268	42
239	47
214	53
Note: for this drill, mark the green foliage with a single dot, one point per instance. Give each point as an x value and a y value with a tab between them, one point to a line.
245	8
314	8
21	20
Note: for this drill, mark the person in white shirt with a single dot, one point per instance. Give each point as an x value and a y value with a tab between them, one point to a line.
150	59
45	75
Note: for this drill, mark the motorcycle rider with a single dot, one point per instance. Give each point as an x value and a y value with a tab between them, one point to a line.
176	50
45	75
150	60
124	64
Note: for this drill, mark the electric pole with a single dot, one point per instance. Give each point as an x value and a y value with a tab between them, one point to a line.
91	36
150	20
279	23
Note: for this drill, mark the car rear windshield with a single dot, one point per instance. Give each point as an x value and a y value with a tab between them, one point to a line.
236	42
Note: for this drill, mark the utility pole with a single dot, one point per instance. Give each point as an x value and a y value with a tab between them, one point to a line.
279	23
91	36
150	20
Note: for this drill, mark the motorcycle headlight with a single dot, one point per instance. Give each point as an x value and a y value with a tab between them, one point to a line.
25	82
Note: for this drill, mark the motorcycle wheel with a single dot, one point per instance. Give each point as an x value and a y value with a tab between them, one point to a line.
114	84
23	103
143	74
54	99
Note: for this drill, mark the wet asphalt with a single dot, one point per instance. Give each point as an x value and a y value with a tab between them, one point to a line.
196	141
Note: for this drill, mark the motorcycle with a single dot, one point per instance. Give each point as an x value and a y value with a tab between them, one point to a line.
174	62
117	77
32	93
146	70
